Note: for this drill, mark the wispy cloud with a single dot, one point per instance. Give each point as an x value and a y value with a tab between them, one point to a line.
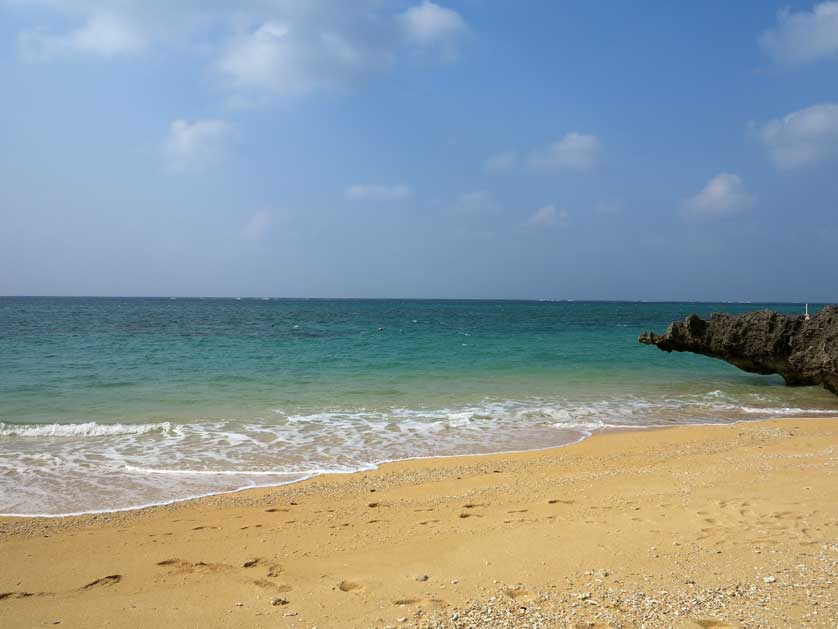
377	192
257	226
430	25
802	137
284	56
803	36
195	146
256	49
505	160
724	194
575	151
104	34
476	201
548	216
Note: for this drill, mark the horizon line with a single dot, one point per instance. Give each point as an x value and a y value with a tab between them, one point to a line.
508	299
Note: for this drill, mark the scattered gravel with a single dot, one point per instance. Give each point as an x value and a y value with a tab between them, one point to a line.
810	589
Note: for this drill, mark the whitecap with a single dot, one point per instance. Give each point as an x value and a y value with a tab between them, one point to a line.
88	429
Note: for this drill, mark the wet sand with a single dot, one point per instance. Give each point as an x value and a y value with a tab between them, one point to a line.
701	526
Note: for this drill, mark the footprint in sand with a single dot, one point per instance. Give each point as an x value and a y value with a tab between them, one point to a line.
474	506
170	562
112	579
518	511
180	566
8	595
557	501
251	563
276	510
424	522
350	586
470	515
273	587
516	593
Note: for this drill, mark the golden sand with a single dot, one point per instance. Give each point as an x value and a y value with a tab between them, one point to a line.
701	526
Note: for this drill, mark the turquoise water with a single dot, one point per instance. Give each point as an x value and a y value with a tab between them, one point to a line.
116	403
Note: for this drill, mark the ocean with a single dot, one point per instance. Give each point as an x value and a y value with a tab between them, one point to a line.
117	403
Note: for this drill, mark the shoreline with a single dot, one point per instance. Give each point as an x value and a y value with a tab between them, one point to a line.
307	476
374	467
732	524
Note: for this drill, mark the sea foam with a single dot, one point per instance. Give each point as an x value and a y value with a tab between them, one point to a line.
87	429
63	468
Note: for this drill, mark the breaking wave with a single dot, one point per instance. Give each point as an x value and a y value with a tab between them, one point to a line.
88	429
70	468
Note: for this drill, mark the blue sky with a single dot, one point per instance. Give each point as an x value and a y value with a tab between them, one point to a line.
560	150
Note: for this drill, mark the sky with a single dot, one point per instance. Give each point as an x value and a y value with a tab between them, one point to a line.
409	148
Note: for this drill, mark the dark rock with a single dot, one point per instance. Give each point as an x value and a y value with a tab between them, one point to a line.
803	351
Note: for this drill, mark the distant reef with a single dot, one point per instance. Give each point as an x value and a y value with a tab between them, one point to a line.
804	351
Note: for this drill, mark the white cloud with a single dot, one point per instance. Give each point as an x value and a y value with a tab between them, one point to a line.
802	137
257	226
724	194
505	160
295	56
804	36
377	192
476	201
430	24
256	48
575	151
198	145
102	34
549	215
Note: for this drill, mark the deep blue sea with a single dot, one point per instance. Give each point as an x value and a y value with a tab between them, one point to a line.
112	403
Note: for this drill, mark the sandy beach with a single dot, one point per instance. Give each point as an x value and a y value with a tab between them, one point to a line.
698	526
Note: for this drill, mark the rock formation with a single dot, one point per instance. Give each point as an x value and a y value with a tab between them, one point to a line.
803	351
